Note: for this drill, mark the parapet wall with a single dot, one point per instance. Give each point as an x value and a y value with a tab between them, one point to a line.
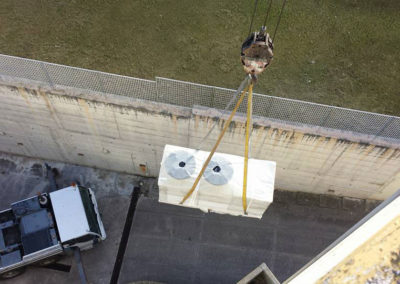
128	135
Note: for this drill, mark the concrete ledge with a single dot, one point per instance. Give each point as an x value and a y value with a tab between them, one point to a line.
311	130
128	135
197	110
120	101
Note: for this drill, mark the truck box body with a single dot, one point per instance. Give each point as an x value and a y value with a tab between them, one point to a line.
43	226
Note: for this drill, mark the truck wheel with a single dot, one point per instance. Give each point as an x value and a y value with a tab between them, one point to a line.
12	273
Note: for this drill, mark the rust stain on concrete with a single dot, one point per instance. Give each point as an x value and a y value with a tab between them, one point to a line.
22	92
46	101
89	117
327	165
275	134
319	143
241	127
339	156
263	142
196	122
175	123
292	136
341	142
284	135
368	150
364	153
395	154
143	168
378	151
384	152
330	143
308	137
386	157
363	146
258	133
275	137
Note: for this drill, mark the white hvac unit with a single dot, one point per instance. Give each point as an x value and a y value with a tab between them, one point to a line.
220	188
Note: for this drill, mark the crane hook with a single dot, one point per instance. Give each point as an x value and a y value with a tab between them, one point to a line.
257	52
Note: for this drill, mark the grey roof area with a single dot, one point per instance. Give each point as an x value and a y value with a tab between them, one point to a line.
174	244
181	245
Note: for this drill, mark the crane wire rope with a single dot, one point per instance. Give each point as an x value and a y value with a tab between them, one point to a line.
245	86
267	14
247	146
252	18
279	20
221	135
244	83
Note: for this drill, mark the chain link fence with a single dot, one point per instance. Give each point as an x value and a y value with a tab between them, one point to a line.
189	94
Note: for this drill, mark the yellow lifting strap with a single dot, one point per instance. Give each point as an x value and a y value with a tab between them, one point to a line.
246	146
227	123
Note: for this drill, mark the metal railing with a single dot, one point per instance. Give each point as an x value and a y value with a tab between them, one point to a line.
189	94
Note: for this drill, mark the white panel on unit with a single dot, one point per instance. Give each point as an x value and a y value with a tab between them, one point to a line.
70	214
220	188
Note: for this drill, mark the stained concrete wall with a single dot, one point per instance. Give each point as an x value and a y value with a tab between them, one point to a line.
128	135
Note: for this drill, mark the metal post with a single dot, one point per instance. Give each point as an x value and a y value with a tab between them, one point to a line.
47	74
81	270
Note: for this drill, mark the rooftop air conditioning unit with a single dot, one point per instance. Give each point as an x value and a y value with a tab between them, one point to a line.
220	188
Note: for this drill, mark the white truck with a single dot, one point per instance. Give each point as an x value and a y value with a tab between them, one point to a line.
40	228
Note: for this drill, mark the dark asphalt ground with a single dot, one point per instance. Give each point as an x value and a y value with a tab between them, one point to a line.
173	244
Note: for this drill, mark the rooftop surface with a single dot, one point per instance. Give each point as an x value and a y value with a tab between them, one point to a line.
379	259
181	245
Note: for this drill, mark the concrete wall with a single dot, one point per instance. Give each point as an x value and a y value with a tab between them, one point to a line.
128	135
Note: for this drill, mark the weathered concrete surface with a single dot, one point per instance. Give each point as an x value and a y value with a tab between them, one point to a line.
23	177
376	261
174	244
128	135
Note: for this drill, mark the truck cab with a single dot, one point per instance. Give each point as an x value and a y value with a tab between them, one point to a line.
38	228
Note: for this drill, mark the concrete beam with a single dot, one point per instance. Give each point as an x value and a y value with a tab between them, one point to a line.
128	135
